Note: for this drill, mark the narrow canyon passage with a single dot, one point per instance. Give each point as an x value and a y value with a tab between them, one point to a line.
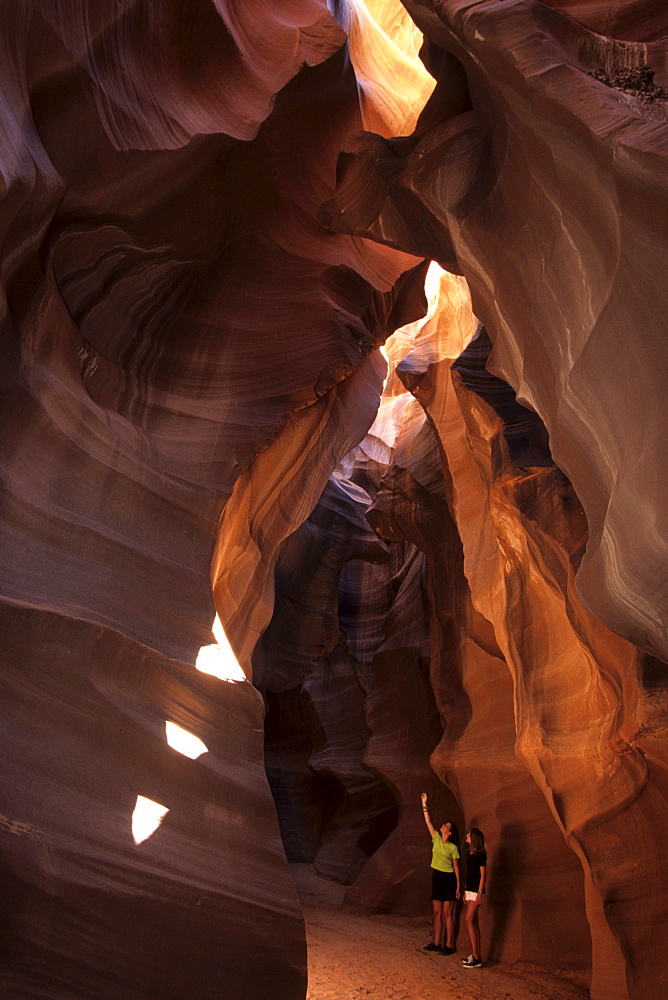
332	406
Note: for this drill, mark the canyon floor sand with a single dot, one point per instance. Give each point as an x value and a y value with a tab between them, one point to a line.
354	957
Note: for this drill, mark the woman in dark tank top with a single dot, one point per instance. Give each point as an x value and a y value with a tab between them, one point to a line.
476	876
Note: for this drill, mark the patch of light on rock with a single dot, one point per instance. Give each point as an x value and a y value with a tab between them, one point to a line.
219	659
146	818
432	281
184	742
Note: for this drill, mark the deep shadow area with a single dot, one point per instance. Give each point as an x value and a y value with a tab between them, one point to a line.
524	431
316	808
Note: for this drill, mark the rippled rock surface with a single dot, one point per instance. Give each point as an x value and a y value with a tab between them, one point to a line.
538	181
169	300
245	553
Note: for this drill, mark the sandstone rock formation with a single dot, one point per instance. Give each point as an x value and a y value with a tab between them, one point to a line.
168	300
537	210
213	215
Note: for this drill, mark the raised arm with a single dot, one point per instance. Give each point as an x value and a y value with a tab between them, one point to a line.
425	813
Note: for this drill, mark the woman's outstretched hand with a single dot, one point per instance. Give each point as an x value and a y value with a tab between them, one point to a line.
424	798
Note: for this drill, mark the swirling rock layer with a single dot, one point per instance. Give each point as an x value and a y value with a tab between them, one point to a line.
539	187
169	301
212	217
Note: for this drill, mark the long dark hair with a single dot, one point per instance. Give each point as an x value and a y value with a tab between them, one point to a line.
477	840
454	834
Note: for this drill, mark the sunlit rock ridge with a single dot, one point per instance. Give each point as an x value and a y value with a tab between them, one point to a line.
295	524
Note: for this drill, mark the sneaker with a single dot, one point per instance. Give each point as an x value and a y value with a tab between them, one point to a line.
445	950
431	947
469	959
472	963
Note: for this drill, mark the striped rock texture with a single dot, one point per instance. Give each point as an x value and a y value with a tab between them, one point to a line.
342	575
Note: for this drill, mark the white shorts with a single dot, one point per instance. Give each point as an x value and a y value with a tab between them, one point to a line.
470	897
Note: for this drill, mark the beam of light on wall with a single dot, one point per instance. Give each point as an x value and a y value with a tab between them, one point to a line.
219	659
146	818
432	281
387	362
184	742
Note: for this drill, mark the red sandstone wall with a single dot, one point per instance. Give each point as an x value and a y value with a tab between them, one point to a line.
192	292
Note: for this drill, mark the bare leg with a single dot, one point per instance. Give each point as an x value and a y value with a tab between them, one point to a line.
438	920
473	927
448	916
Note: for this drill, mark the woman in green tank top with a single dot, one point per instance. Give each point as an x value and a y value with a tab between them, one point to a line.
445	882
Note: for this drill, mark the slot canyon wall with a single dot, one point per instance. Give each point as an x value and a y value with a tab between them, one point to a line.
226	511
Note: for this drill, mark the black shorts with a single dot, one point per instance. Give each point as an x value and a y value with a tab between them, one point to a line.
443	885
